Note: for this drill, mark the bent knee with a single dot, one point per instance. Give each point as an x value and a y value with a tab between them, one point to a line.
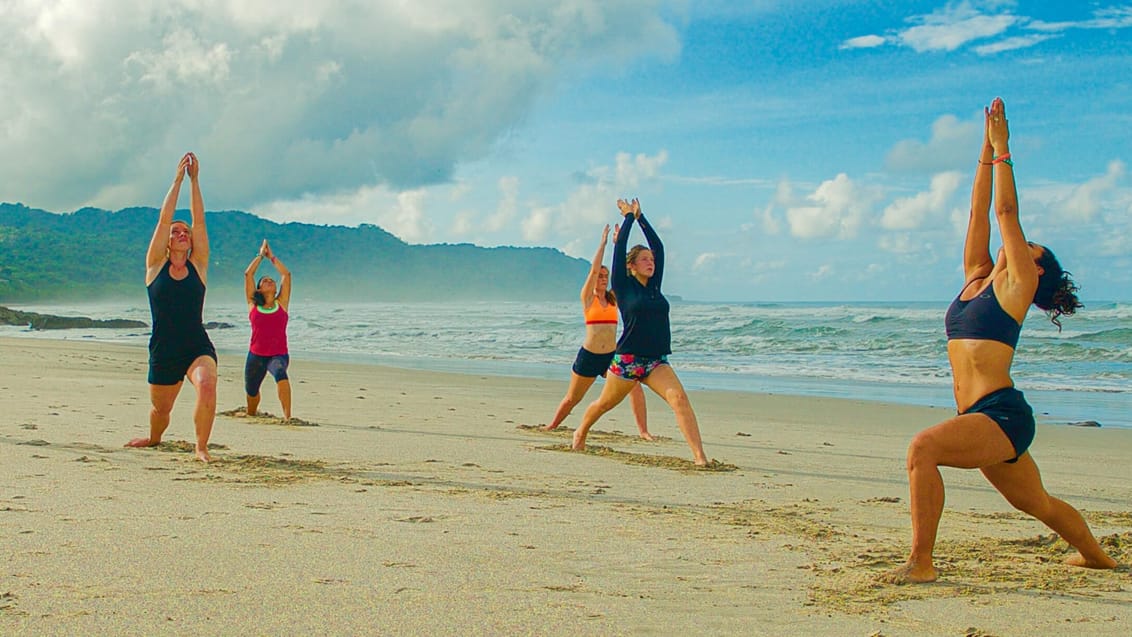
677	398
205	382
921	452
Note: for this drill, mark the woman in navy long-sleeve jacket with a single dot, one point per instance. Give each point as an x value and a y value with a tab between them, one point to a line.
642	350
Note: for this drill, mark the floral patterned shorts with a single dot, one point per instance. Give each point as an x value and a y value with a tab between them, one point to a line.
633	367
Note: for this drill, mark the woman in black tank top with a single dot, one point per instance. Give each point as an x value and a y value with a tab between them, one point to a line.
176	274
995	425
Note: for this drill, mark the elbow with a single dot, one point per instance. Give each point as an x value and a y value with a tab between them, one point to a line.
1006	209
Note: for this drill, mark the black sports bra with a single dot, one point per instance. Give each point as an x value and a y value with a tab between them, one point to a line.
982	318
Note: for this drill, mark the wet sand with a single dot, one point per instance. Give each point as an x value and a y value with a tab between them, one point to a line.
407	502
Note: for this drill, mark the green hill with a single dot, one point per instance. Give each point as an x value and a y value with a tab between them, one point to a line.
95	254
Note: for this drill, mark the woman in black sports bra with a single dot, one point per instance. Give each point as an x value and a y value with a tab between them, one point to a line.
176	272
995	425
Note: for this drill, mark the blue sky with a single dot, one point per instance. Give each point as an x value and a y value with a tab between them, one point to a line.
787	150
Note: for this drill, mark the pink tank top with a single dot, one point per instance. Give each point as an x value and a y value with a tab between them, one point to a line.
269	331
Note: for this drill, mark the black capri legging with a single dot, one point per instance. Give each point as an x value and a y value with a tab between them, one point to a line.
257	367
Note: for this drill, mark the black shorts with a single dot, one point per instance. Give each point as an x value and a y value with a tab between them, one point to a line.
590	365
170	371
1009	409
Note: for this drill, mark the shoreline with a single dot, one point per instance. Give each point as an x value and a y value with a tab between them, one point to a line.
1059	408
422	502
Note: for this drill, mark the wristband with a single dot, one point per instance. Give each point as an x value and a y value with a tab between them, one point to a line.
1005	157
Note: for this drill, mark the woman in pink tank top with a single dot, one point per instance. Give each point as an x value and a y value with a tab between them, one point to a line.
267	312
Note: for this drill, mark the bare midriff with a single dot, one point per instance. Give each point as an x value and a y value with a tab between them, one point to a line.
601	338
978	367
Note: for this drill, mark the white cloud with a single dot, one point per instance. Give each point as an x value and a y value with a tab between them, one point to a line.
953	26
900	243
1010	44
535	227
863	42
400	213
1105	18
182	61
508	205
1087	199
953	143
912	212
823	272
283	100
704	260
835	209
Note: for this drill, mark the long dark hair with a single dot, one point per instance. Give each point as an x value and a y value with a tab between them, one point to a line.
1056	293
258	297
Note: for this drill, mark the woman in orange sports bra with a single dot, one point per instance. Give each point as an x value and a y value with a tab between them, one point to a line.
599	306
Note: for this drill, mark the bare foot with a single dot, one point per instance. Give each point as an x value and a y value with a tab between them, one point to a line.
142	442
202	455
1083	562
550	428
647	436
909	574
701	462
578	443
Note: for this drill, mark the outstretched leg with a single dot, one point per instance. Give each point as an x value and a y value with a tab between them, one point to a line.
161	398
614	391
579	385
640	412
967	442
284	387
666	384
253	405
1021	484
202	374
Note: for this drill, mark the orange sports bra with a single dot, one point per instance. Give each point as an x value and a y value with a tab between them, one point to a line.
597	314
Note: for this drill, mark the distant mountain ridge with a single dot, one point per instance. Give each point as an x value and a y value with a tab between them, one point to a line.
92	254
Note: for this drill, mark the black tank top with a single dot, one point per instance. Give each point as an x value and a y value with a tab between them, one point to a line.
177	308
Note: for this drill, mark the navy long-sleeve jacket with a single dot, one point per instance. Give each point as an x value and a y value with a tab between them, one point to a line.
644	310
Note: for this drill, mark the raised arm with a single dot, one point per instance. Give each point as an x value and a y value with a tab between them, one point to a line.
249	275
199	255
1021	271
618	271
158	249
595	269
655	246
284	296
977	262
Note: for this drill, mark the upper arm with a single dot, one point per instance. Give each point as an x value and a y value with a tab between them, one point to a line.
1021	271
158	248
657	248
249	286
284	297
618	273
201	248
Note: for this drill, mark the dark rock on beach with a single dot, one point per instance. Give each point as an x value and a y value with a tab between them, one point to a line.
38	321
218	325
1085	423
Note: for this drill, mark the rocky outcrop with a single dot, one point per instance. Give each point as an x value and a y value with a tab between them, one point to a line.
38	321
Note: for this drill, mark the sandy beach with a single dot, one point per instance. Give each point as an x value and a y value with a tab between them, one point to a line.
412	503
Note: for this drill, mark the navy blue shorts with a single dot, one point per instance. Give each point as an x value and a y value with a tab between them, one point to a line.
256	369
172	370
1009	409
590	365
